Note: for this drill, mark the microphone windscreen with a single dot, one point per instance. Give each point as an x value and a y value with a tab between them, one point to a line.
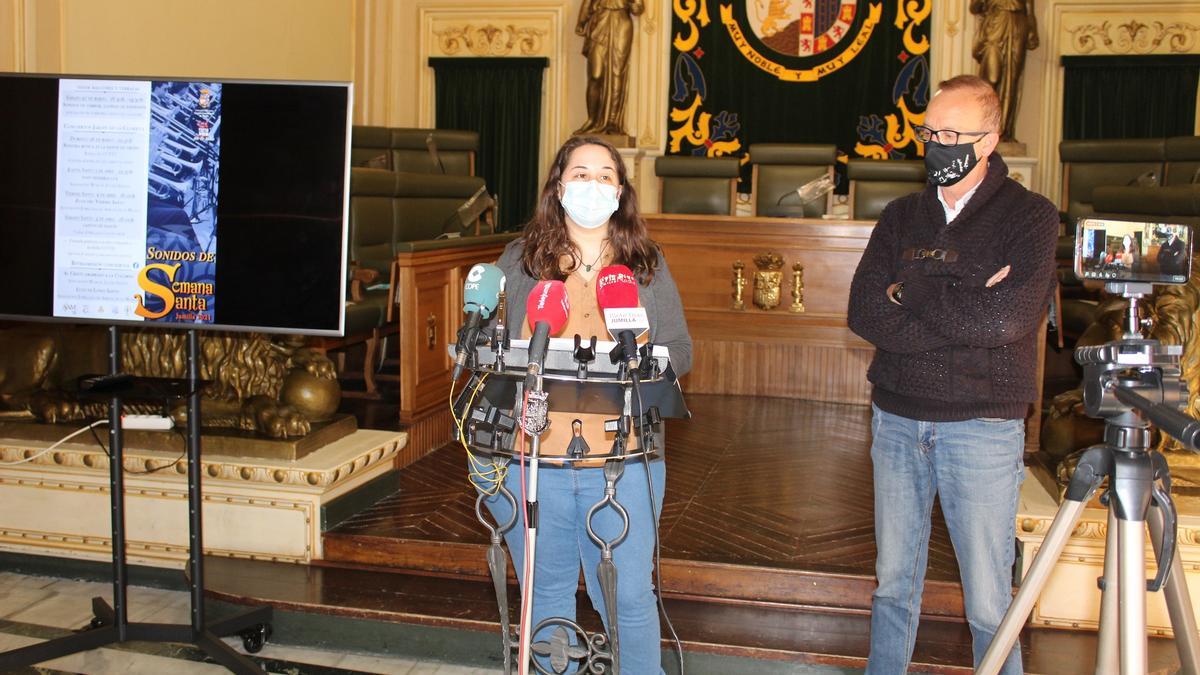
616	288
481	292
548	303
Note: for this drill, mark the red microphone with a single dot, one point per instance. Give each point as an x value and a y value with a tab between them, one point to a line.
547	308
616	287
617	295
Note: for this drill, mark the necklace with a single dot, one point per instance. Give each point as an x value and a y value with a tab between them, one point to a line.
587	267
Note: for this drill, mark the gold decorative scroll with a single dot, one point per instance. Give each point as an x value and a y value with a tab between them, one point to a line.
691	12
909	15
1134	37
695	128
490	40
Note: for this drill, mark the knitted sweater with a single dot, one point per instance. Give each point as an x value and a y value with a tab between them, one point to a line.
957	350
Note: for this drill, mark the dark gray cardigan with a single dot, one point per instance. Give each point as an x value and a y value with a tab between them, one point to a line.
660	298
957	349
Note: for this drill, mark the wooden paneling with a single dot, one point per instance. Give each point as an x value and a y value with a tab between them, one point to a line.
427	432
701	251
810	355
813	372
435	318
429	294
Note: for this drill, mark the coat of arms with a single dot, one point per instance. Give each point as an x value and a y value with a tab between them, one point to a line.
768	280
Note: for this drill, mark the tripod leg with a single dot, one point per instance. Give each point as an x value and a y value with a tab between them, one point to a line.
1052	546
1107	654
1131	542
1179	605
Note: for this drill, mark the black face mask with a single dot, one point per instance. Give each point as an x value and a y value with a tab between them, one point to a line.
948	164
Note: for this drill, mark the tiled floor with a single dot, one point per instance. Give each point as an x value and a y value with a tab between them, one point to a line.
29	605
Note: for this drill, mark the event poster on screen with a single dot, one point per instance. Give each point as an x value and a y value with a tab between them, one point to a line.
136	191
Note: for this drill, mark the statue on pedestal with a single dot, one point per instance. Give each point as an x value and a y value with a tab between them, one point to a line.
607	30
1007	28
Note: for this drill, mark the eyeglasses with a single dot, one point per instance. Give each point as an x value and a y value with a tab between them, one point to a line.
944	136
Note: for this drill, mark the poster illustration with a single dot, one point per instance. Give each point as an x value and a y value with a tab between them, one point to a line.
179	276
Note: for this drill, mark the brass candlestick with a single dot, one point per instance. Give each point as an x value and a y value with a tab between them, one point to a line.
797	289
739	284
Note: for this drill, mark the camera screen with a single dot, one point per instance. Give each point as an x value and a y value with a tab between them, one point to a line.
1120	250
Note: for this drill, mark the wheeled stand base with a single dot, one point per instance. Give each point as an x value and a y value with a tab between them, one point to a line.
110	624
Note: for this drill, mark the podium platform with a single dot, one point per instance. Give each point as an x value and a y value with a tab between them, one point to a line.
257	508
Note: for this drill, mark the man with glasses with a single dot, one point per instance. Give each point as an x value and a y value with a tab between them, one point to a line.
951	290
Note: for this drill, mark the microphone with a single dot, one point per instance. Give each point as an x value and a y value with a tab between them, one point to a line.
481	292
617	295
807	193
547	308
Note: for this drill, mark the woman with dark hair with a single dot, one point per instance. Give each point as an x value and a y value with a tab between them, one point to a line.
1129	251
587	218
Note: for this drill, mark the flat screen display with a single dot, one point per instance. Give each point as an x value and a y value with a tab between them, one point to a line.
188	203
1120	250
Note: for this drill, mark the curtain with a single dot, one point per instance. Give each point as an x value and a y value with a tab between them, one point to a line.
501	98
1129	96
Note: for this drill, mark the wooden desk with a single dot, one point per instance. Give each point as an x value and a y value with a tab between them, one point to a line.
428	310
810	355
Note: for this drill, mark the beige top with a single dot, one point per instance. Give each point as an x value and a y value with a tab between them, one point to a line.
586	319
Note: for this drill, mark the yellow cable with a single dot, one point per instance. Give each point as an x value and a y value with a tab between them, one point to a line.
489	474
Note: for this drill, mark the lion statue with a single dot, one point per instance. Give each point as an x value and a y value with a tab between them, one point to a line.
273	386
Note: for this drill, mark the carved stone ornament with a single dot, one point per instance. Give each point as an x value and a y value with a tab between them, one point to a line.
490	40
768	280
246	471
1134	37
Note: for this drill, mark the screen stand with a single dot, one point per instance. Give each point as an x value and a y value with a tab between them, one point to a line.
110	624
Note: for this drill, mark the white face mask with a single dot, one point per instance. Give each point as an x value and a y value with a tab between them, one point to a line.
589	203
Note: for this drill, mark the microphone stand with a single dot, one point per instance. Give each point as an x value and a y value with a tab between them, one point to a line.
817	188
533	423
491	429
500	338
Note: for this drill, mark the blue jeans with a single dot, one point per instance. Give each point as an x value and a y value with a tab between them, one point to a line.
564	497
975	467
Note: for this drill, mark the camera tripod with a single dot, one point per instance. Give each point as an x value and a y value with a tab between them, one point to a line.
1130	383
